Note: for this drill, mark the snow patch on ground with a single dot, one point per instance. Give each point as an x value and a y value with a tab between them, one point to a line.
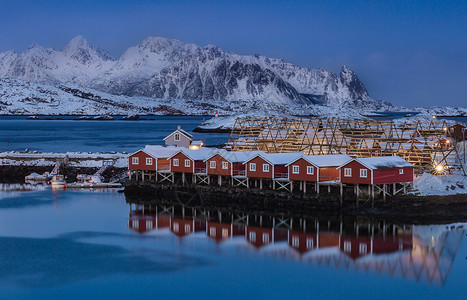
442	185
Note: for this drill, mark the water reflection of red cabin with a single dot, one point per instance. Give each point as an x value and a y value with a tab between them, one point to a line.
356	247
261	236
182	227
143	224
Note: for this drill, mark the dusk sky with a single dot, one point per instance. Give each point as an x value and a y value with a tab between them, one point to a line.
411	53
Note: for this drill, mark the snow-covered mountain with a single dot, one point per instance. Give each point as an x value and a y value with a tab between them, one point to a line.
169	69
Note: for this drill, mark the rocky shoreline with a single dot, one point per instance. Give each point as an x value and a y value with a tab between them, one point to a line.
412	209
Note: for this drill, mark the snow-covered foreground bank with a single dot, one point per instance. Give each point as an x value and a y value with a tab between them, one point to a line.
75	159
440	185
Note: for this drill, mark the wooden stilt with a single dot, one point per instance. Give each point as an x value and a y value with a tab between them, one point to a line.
384	192
183	178
261	184
304	187
341	188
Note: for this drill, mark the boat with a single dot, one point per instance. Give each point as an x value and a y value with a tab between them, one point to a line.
58	182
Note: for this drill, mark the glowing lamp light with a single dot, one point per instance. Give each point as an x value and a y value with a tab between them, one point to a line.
434	117
439	168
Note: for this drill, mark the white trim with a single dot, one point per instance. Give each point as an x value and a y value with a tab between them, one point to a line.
212	164
252	167
349	173
363	173
178	131
312	170
264	169
187	163
148	161
401	171
226	164
175	162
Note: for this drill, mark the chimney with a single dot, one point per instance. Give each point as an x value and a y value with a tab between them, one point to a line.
179	127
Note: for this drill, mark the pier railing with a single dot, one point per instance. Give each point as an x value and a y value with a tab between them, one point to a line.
200	170
239	173
281	175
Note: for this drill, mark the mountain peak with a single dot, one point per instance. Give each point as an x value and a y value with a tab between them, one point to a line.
160	44
81	50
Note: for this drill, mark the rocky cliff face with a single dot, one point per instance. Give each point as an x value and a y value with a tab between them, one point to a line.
169	69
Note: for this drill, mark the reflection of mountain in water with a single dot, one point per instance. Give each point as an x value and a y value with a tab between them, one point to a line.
357	245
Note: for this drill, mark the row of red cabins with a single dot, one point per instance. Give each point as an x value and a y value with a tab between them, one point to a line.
274	166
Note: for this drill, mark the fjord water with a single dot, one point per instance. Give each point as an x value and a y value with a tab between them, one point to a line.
84	244
19	133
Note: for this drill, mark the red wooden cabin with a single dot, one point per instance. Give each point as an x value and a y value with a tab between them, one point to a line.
151	158
217	164
190	161
377	170
182	227
301	241
270	165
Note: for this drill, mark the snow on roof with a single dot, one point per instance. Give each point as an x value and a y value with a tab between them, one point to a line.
158	151
330	160
182	132
382	162
281	158
197	143
239	156
201	154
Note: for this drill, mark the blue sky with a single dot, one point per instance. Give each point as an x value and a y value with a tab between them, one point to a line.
411	53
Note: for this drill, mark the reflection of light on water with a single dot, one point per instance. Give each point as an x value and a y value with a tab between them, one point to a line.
10	190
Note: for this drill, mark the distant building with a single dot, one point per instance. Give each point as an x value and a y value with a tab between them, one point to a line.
181	138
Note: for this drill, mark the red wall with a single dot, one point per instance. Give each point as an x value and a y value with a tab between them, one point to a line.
355	178
142	162
259	168
181	163
392	175
302	241
380	176
239	169
303	164
329	174
218	170
200	166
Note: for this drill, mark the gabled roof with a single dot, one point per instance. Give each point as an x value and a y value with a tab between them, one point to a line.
277	158
201	154
158	151
236	156
330	160
181	131
382	162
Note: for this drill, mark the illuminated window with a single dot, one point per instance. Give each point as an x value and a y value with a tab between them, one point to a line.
225	233
253	167
176	227
347	172
295	169
135	160
148	161
225	165
310	170
265	168
175	161
212	164
187	163
363	173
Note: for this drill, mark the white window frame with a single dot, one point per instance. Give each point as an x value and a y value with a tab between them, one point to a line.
309	243
187	163
266	168
347	172
252	167
177	137
175	162
347	246
225	165
265	238
149	225
212	231
295	169
148	161
135	224
310	170
187	228
252	236
295	241
401	171
135	160
363	173
212	164
363	248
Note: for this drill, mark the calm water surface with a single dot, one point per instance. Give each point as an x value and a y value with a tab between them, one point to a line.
82	244
18	133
